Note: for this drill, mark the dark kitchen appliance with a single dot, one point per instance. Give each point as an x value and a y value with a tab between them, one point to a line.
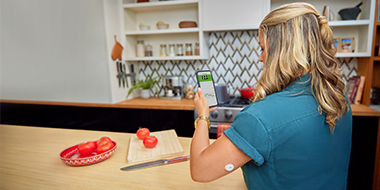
225	114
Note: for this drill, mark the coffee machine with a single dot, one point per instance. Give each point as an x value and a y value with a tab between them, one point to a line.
173	87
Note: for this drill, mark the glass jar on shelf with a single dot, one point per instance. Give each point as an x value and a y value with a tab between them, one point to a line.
148	50
179	50
171	50
163	50
196	48
140	48
189	49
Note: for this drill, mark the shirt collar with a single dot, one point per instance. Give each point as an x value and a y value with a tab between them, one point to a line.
301	84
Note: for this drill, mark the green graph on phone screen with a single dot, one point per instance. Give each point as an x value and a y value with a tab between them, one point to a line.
205	78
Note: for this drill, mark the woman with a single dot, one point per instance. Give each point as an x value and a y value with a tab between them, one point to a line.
297	132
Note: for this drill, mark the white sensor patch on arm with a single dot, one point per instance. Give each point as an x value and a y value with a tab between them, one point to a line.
229	167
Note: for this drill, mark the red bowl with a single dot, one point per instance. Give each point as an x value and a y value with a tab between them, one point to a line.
72	157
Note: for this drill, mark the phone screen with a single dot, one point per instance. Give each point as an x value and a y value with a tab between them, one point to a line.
206	83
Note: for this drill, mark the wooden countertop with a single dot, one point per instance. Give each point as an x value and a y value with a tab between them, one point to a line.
135	103
363	110
157	103
29	159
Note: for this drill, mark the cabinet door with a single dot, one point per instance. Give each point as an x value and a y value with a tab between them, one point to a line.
233	15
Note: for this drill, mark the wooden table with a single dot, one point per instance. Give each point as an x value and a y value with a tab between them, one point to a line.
29	159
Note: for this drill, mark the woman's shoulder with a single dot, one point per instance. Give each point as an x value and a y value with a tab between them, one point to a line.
275	100
282	106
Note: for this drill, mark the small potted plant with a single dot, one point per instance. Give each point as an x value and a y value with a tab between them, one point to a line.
146	86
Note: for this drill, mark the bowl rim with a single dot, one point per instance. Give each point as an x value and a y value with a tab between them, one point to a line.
78	159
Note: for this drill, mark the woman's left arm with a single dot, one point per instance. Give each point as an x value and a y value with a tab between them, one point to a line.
208	162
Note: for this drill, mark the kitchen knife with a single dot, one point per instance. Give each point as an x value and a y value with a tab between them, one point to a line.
121	73
118	73
155	163
133	75
125	75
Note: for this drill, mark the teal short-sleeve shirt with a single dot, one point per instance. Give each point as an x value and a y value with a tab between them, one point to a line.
290	143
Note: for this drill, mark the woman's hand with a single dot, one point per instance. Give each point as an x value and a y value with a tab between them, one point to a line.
201	103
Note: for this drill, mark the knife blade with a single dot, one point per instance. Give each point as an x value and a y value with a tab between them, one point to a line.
122	73
125	75
133	75
155	163
118	73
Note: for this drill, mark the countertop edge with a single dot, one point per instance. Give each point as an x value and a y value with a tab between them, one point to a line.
159	104
135	103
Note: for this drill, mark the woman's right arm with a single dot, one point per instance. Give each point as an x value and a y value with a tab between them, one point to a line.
208	162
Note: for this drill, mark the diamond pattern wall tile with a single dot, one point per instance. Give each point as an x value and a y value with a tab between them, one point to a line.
233	61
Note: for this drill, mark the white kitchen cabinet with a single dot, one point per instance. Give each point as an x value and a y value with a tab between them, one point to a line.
361	29
227	15
170	12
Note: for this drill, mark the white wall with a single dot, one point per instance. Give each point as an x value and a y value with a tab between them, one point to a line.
54	50
114	27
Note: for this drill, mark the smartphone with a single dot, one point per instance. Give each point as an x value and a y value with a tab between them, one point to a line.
206	83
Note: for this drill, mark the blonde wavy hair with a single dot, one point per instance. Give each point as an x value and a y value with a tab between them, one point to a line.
298	41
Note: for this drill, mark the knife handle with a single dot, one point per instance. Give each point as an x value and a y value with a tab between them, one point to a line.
178	159
121	66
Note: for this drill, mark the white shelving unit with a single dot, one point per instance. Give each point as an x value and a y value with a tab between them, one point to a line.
170	12
232	15
175	11
361	29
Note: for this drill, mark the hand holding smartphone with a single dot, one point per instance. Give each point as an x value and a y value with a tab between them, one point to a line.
206	83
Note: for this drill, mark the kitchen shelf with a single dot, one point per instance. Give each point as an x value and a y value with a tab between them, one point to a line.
349	22
160	5
358	54
165	58
361	29
162	31
169	12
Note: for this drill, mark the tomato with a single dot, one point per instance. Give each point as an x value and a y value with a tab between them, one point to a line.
86	148
142	133
103	140
150	142
104	147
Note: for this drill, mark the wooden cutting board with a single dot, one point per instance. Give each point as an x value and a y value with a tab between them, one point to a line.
168	145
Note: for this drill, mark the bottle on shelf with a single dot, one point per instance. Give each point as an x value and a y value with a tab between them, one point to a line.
196	48
171	50
163	50
140	48
189	49
179	50
148	50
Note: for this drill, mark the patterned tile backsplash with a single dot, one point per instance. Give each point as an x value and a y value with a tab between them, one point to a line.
233	61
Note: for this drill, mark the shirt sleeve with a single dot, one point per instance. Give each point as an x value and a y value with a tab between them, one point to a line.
249	135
